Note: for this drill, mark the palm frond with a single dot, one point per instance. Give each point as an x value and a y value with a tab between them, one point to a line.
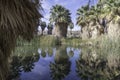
59	14
20	17
17	18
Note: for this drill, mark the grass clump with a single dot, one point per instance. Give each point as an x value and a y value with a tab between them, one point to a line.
49	41
71	41
109	47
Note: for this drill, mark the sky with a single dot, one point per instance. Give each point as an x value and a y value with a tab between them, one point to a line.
72	5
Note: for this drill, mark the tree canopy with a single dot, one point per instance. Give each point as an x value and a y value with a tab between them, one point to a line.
104	9
59	14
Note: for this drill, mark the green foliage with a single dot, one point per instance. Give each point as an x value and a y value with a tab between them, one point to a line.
43	25
71	25
53	41
50	26
59	14
82	15
108	45
94	66
21	42
48	41
71	41
107	9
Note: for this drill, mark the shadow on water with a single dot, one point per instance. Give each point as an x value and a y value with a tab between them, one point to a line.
63	63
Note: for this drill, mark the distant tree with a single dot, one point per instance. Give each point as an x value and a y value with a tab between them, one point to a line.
61	17
71	25
43	26
50	28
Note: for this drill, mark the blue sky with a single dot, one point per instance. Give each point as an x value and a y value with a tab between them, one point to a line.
72	5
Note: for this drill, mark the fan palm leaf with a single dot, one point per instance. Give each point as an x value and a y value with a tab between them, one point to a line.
17	18
60	15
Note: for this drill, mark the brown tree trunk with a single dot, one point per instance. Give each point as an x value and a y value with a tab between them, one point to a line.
60	30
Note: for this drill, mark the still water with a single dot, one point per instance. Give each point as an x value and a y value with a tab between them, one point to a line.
62	63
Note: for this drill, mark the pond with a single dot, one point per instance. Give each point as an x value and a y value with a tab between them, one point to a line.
63	63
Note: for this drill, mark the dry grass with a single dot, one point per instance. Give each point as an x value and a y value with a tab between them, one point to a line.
110	49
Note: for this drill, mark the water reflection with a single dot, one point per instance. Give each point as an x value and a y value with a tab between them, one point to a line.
92	66
23	61
64	63
61	66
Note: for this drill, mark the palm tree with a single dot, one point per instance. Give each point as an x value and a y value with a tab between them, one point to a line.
18	18
50	27
95	15
114	17
82	14
83	21
61	17
43	26
113	6
71	25
105	12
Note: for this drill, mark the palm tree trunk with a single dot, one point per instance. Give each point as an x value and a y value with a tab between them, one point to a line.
60	30
71	32
42	33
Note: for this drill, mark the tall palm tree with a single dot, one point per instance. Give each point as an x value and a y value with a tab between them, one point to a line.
18	18
114	17
43	26
105	12
61	17
50	28
83	21
95	14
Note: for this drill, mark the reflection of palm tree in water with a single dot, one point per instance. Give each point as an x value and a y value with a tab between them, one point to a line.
20	64
61	67
50	52
45	52
90	67
27	64
71	53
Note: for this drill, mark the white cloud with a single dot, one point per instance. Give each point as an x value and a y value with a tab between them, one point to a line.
47	16
46	5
